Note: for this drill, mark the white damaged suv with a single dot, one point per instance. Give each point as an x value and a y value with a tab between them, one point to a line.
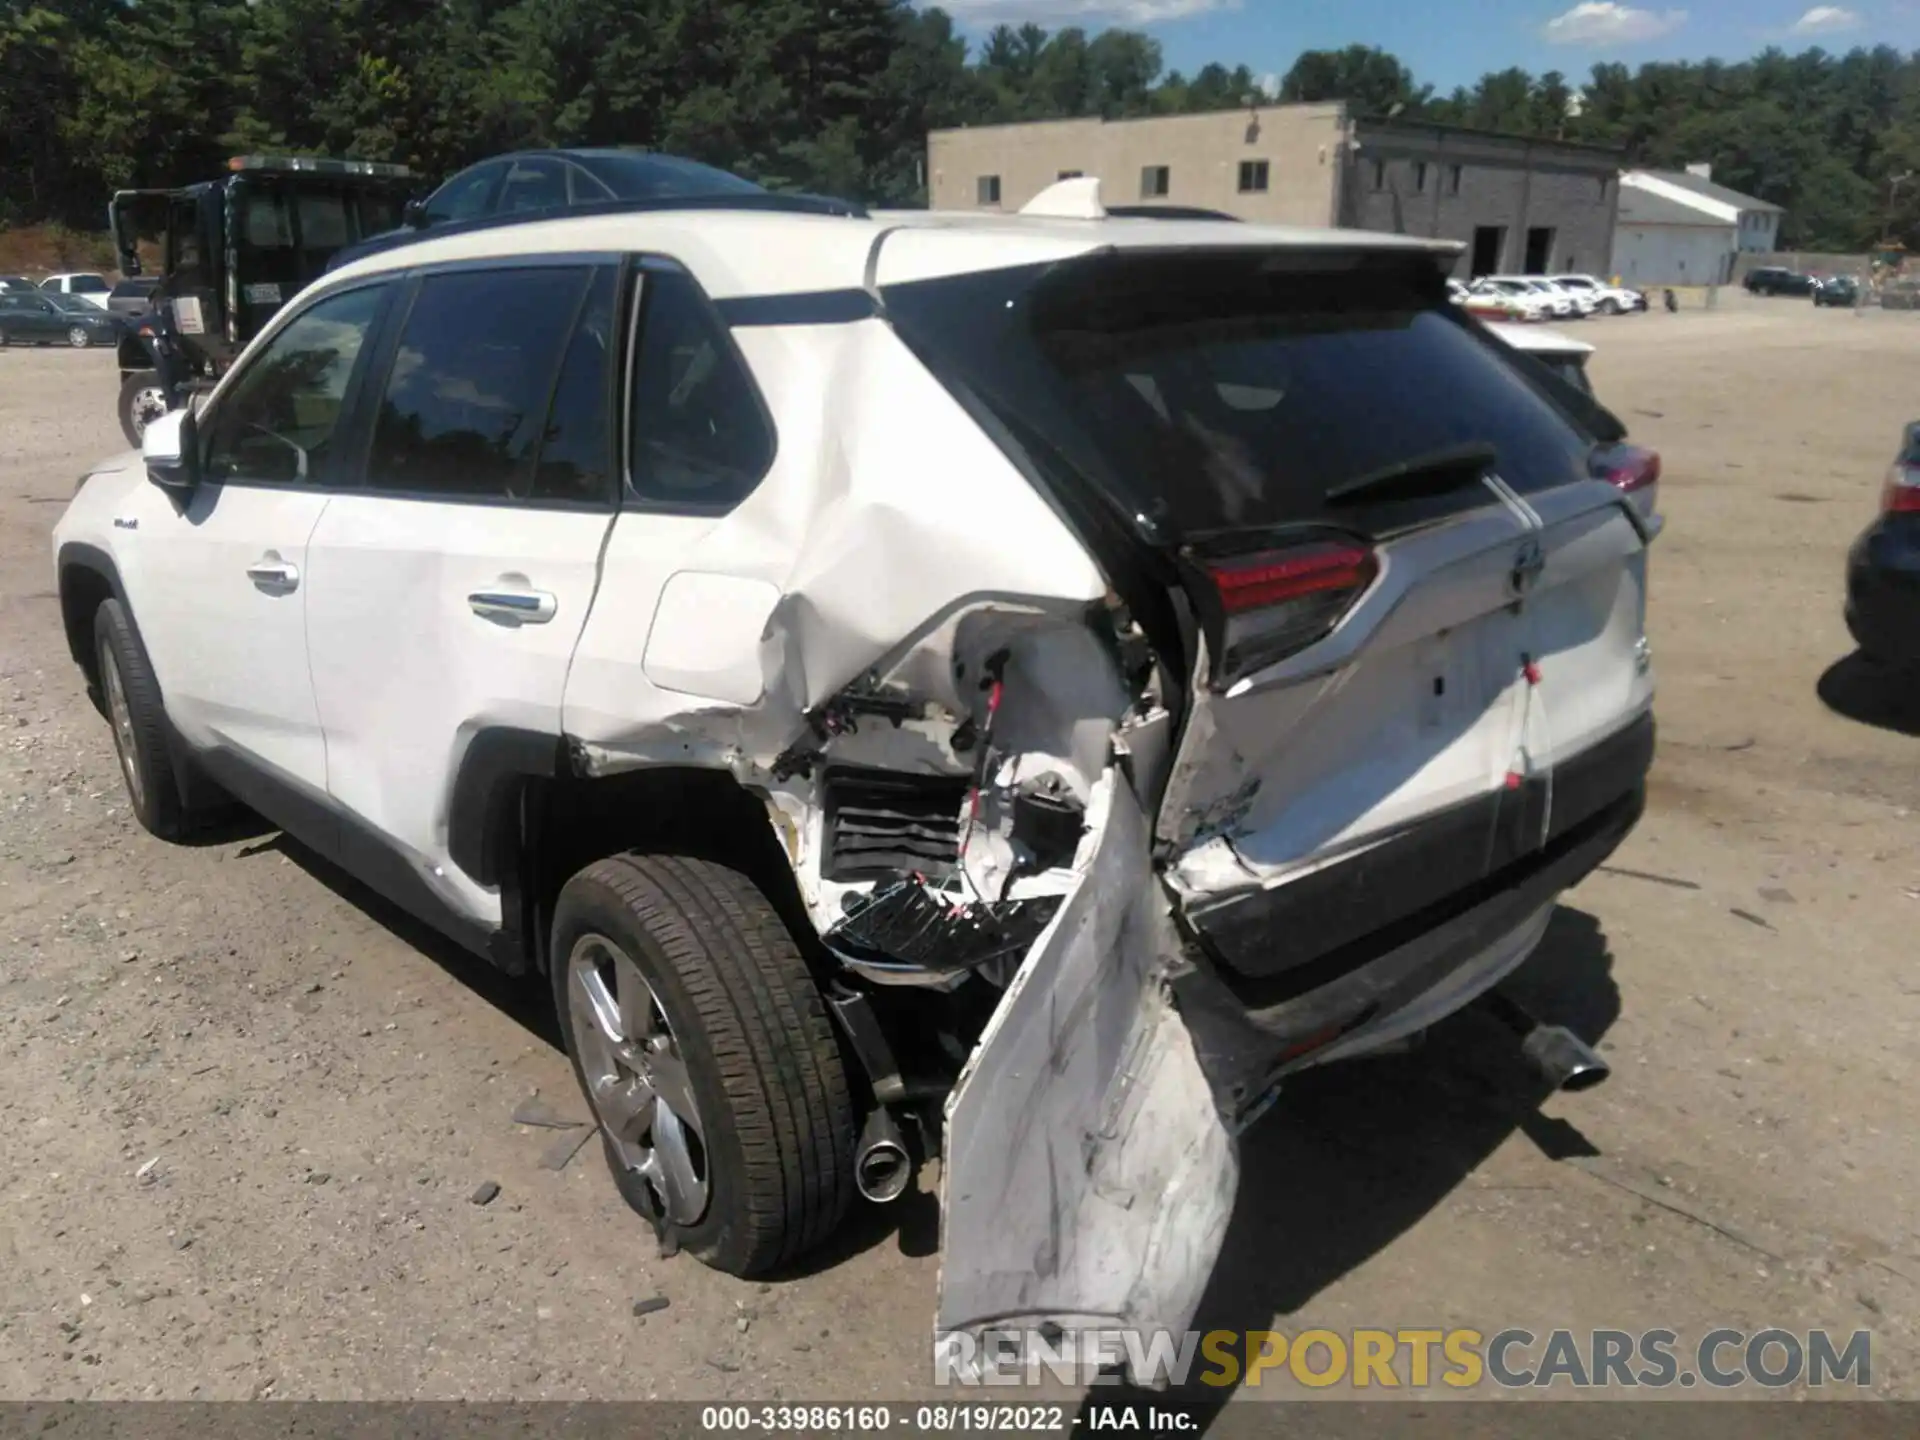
1005	687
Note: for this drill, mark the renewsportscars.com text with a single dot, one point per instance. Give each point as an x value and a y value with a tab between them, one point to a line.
1412	1359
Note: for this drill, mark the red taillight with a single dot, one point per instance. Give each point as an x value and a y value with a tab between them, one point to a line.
1278	601
1627	467
1902	495
1274	577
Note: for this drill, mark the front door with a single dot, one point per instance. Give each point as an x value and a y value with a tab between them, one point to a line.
227	572
449	588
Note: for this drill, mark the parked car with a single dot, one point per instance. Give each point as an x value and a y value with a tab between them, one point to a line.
1608	299
1522	300
132	298
1773	280
534	182
87	286
16	282
1556	303
1883	567
1837	290
1559	352
37	318
1198	736
1584	302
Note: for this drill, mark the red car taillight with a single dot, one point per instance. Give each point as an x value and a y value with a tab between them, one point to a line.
1626	467
1275	602
1902	495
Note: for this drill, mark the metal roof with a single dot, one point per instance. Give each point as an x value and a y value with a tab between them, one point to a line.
1707	190
1645	207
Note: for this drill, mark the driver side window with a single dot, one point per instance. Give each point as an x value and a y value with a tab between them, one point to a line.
275	423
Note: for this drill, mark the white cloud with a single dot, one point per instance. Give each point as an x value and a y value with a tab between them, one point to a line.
1602	22
983	14
1825	20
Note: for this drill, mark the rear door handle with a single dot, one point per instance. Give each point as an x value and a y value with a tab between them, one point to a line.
514	607
270	572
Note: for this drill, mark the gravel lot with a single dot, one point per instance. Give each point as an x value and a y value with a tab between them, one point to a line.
247	1105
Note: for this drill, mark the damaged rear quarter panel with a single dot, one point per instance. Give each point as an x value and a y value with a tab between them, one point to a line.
886	513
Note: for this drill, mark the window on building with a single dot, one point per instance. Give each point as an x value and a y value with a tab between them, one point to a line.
1453	179
1379	174
986	190
1155	181
1419	177
1070	175
1253	177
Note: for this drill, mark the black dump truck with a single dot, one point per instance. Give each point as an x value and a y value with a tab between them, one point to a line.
233	251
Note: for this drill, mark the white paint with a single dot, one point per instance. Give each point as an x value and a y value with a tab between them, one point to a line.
705	638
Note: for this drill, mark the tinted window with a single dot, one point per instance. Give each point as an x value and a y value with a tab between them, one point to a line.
467	396
638	176
464	197
1226	391
133	289
533	185
276	420
88	285
700	438
575	463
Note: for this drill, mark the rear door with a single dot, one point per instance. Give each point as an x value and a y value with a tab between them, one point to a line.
448	592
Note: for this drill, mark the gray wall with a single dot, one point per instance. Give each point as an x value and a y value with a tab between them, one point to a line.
1505	182
1673	254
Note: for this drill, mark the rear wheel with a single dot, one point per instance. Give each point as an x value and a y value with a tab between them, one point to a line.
79	337
1609	306
143	399
706	1054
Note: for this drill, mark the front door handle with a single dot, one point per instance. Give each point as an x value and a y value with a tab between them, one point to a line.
272	573
514	607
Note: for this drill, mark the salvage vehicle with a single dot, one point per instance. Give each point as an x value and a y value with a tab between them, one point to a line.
234	250
1883	568
1014	688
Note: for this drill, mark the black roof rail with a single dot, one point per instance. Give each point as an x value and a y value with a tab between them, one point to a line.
768	202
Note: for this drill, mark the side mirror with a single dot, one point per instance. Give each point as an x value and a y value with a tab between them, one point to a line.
414	214
170	447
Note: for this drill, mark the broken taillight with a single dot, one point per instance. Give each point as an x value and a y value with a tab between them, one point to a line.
1275	602
1902	493
1626	467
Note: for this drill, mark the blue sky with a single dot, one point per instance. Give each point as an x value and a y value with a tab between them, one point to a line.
1452	42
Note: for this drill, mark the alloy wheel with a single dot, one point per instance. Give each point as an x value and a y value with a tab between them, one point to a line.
79	338
122	716
636	1076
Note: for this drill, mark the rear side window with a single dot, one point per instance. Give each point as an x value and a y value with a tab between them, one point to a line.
463	411
1235	391
87	285
576	463
701	440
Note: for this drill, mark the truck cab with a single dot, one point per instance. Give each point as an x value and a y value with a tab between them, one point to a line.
233	251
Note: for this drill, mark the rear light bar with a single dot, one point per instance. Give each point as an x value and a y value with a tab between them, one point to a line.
1275	602
1902	495
1626	467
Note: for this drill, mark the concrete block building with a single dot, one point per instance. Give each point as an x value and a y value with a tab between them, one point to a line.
1517	205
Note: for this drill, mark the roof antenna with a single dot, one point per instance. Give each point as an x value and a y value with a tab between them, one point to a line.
1075	199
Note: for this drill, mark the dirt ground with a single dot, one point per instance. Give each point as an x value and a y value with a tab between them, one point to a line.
246	1105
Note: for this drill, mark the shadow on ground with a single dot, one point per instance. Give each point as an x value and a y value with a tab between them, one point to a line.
1354	1155
1870	694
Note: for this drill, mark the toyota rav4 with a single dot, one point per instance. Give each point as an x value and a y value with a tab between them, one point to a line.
1012	688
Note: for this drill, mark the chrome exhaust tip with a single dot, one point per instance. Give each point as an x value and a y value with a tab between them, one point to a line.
1563	1059
1557	1055
882	1169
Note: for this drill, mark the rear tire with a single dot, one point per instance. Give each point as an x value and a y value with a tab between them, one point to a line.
131	697
712	1000
79	337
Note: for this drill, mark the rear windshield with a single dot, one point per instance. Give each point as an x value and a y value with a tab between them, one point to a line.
1235	390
